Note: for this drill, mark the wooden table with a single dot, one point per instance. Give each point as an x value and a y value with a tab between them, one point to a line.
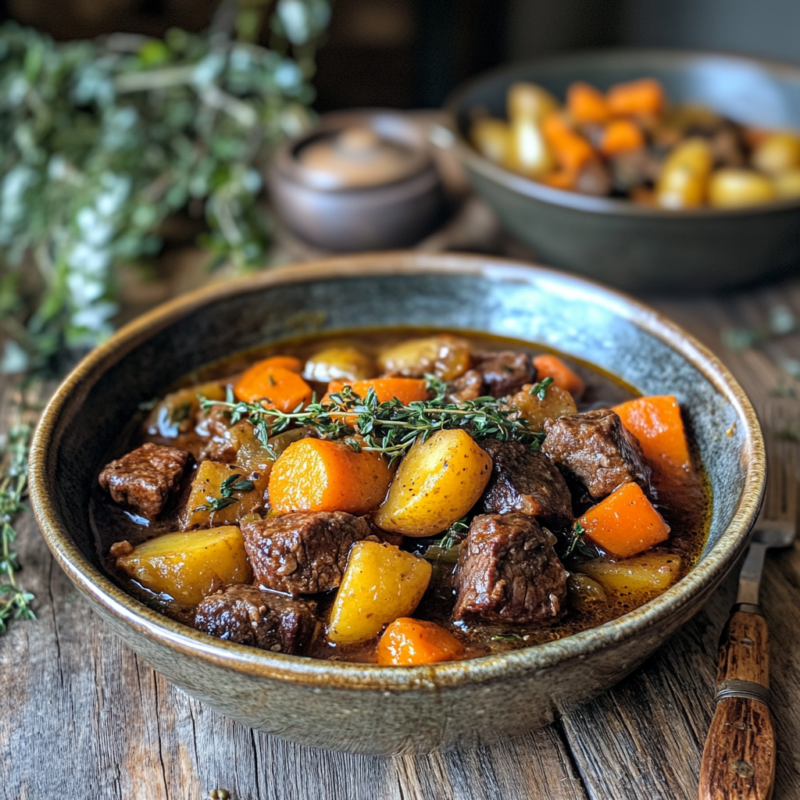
82	716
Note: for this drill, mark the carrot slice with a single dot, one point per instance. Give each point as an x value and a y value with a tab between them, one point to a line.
408	642
548	366
656	422
586	104
321	475
645	96
406	390
625	523
621	136
273	382
560	179
572	151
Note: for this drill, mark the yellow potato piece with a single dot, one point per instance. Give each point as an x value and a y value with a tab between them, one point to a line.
733	188
437	483
683	182
380	584
339	363
189	566
177	412
556	403
778	152
492	139
445	356
654	572
207	483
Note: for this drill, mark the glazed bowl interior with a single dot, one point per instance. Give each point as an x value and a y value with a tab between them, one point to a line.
89	411
637	247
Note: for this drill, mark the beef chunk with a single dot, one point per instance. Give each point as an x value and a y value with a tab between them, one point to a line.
247	615
304	552
144	478
508	572
466	387
215	425
501	373
526	481
596	448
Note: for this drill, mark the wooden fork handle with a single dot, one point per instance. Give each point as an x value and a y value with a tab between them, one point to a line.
739	756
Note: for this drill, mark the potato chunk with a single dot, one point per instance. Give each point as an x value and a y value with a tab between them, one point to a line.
189	566
208	503
339	363
177	412
445	356
437	483
555	403
654	572
380	584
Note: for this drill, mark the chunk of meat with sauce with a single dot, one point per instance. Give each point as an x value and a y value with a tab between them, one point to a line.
526	481
498	374
214	427
508	572
247	615
596	448
143	479
304	552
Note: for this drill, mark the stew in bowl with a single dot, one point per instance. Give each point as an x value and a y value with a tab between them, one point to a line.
402	497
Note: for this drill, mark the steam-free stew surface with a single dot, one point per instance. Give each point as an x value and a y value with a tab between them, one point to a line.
686	512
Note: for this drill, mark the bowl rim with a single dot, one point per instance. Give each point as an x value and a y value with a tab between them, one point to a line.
342	675
473	160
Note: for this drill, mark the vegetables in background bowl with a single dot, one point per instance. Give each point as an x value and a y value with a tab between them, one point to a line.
630	143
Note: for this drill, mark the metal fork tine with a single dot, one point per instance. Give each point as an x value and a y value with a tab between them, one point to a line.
779	418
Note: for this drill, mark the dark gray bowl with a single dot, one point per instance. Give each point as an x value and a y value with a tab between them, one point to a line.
361	707
634	247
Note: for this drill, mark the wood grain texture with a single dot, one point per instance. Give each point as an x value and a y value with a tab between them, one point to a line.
739	756
81	715
744	650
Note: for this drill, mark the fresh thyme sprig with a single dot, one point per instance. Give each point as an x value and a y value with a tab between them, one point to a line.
539	389
390	427
14	601
577	543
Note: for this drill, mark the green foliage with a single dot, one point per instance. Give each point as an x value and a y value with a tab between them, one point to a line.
14	602
100	142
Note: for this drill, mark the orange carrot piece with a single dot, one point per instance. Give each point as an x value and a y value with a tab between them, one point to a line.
572	151
656	422
645	96
406	390
270	381
564	377
586	104
408	642
625	523
621	136
321	475
560	179
287	362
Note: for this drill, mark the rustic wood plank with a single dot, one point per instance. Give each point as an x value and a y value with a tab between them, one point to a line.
81	714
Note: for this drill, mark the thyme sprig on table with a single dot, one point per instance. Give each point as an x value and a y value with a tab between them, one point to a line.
14	601
390	427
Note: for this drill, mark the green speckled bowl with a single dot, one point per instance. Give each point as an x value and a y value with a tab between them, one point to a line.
365	708
633	247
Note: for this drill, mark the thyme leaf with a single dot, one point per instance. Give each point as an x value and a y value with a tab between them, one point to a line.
539	389
577	544
14	601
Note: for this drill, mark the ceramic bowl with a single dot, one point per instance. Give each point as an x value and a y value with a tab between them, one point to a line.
634	247
359	707
388	215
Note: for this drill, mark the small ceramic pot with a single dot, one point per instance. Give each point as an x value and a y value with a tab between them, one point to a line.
338	217
363	707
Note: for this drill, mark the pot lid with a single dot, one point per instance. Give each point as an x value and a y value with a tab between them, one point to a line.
356	156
